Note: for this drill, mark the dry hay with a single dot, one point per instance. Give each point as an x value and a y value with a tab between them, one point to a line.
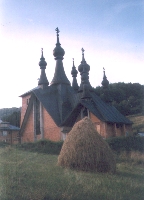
84	149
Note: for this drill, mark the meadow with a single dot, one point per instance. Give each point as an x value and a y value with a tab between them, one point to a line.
32	175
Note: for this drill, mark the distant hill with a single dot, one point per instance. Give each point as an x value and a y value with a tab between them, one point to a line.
138	123
11	115
4	112
128	98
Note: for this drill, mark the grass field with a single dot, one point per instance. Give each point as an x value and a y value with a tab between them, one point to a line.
28	175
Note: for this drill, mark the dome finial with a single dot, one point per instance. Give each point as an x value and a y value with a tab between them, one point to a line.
42	52
57	31
83	54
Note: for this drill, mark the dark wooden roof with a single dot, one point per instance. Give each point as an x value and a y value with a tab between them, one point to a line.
64	105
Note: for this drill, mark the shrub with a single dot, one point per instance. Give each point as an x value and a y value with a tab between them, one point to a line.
42	146
132	157
126	143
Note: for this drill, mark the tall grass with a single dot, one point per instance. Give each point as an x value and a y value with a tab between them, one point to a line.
28	175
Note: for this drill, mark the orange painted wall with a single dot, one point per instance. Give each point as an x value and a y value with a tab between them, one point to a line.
51	130
99	125
111	131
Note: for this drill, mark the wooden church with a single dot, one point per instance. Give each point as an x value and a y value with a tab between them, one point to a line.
49	111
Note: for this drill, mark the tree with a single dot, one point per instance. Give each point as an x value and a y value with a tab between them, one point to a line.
128	98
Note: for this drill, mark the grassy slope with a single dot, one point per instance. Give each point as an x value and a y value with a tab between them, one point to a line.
33	176
138	123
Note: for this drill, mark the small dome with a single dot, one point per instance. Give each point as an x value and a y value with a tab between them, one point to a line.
58	51
74	72
83	67
42	62
104	82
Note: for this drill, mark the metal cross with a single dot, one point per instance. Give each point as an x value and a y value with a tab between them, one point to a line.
82	51
57	30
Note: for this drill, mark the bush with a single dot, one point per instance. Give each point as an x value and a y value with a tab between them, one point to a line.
4	144
126	143
42	146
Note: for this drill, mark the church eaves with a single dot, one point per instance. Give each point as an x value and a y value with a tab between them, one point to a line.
58	52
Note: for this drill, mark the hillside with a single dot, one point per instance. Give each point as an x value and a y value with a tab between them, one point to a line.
8	111
128	98
138	123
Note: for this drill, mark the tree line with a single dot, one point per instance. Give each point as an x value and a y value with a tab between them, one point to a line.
128	98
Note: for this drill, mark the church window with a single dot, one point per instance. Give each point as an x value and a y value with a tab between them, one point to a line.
4	133
37	117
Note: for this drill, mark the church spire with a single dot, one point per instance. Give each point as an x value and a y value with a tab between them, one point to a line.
58	52
105	82
43	82
106	92
84	69
74	75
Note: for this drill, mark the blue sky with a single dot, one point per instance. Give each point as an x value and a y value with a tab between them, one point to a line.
110	31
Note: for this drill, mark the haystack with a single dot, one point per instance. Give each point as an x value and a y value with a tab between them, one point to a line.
84	149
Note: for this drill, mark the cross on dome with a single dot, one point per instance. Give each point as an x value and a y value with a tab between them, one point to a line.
57	30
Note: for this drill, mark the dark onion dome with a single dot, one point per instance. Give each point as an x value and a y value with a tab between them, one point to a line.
59	75
74	73
105	82
43	79
58	51
42	62
83	67
84	72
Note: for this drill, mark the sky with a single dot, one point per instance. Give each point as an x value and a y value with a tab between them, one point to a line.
110	31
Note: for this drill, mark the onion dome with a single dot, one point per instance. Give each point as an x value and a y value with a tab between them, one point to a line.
83	67
84	72
105	82
106	92
43	79
59	75
74	73
42	62
58	51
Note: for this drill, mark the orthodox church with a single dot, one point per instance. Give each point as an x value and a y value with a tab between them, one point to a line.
49	111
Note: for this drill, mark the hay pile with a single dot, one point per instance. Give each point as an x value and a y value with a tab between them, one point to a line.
84	149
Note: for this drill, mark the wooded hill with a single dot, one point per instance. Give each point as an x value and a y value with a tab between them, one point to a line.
11	115
128	98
